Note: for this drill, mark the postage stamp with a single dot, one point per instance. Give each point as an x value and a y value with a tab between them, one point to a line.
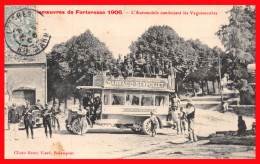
23	35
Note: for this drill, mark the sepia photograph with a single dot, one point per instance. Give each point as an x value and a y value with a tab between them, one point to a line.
129	81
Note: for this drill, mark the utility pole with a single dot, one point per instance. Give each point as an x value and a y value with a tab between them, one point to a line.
219	72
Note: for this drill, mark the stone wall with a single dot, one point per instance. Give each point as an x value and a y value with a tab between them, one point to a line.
27	76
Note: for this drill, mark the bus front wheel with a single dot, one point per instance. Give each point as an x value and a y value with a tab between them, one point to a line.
147	126
76	126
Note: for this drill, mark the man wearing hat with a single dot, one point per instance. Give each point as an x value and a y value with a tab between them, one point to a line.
13	120
47	120
28	119
39	105
55	112
191	121
153	124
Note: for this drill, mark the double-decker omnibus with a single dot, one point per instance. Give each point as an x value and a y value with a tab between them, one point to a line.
128	102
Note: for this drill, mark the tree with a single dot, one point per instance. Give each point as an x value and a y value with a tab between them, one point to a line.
70	63
238	37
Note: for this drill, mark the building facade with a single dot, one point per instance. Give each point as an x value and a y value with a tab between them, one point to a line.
25	78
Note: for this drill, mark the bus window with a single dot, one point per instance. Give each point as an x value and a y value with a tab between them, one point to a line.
160	101
118	99
147	100
132	99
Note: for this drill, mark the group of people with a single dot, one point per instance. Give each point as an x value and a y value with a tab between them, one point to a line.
49	116
92	107
181	117
142	65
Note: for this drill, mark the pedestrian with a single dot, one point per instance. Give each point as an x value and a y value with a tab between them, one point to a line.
176	100
39	105
241	126
28	118
153	120
82	119
46	115
183	121
225	106
13	120
176	119
55	112
191	121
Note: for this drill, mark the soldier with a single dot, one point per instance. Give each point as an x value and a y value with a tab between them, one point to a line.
147	69
158	68
96	104
153	64
28	118
55	109
116	71
13	120
130	68
39	105
140	62
125	71
47	120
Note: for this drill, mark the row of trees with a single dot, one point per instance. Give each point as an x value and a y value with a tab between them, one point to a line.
195	63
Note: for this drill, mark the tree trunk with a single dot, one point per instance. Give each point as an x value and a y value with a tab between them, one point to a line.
207	86
194	89
202	89
53	100
65	105
213	85
59	102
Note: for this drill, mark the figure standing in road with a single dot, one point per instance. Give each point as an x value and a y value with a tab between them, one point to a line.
47	120
153	124
13	120
241	126
82	119
191	121
28	119
183	121
55	112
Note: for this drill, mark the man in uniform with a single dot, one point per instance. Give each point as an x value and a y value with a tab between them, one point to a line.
28	119
13	120
39	105
55	112
47	120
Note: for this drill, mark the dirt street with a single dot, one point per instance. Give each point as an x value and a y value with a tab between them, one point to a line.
108	142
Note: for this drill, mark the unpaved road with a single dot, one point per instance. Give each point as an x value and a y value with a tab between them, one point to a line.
108	142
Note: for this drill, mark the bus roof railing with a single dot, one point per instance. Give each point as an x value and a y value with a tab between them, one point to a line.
89	87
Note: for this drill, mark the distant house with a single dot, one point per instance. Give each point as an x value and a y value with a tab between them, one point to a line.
25	77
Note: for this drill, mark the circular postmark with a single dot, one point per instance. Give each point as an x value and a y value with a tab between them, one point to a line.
23	34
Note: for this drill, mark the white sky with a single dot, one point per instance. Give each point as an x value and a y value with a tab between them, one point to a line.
118	31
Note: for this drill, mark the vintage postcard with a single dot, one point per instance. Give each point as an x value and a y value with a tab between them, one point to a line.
129	81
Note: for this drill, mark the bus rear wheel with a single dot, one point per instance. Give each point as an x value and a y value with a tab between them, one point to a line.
76	126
